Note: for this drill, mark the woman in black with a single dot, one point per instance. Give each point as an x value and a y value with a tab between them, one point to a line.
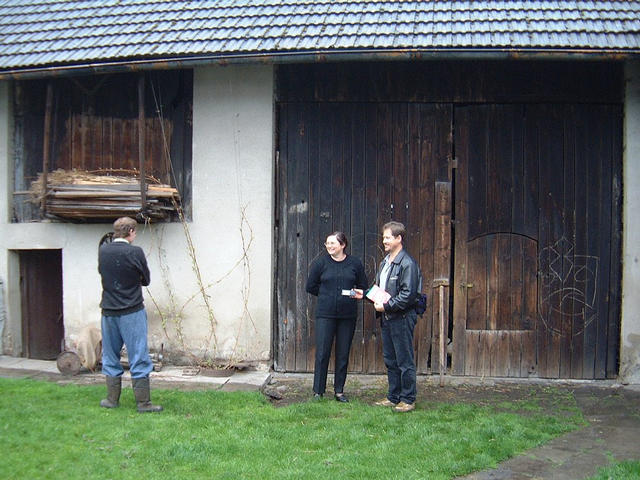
338	280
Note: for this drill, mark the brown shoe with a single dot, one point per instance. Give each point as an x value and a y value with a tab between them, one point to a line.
385	402
405	407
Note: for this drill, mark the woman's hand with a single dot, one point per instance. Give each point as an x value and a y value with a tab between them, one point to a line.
359	293
379	307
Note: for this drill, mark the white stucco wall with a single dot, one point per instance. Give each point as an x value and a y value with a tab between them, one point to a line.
630	335
230	232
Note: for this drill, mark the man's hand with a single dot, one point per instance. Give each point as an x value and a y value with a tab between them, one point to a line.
379	307
359	294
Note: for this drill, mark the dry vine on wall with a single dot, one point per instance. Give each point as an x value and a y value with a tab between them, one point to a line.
175	314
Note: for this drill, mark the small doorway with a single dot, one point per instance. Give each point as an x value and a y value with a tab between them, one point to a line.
41	297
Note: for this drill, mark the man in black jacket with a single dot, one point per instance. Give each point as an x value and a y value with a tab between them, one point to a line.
123	268
398	275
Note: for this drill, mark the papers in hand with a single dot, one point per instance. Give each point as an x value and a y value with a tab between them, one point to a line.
378	295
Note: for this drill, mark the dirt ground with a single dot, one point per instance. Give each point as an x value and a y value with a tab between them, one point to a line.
285	389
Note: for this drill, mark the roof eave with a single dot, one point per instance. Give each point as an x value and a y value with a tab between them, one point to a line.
317	56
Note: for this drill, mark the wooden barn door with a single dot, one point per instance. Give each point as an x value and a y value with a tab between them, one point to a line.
353	167
537	245
41	292
495	281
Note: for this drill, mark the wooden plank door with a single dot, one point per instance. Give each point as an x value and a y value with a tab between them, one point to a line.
352	167
537	241
41	292
495	279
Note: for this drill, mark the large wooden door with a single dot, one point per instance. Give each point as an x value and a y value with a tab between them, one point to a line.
537	245
352	167
537	228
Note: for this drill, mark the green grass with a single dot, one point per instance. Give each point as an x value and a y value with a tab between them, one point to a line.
53	431
628	470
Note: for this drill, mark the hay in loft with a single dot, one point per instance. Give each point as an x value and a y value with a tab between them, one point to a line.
103	194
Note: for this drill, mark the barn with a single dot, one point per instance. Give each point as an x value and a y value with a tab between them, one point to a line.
505	135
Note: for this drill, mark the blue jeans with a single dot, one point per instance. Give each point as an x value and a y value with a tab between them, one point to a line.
130	329
326	329
397	351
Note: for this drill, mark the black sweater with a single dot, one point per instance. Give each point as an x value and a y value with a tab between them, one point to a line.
327	279
123	268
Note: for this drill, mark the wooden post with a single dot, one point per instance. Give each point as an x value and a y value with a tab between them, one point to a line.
441	271
46	147
440	284
141	142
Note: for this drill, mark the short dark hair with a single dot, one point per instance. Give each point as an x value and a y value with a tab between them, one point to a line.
123	226
396	228
341	237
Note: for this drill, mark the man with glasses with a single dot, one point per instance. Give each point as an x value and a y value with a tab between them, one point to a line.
399	276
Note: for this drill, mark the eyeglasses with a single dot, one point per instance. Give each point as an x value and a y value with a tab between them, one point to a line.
331	244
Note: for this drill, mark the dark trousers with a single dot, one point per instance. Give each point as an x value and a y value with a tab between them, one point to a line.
397	350
326	329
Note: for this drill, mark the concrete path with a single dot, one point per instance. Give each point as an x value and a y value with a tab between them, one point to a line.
167	377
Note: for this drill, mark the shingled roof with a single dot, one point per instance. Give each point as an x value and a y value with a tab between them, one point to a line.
44	34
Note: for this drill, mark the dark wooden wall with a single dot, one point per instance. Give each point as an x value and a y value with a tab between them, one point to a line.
94	126
353	167
360	144
453	82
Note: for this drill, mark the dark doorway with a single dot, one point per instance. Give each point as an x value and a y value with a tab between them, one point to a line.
41	296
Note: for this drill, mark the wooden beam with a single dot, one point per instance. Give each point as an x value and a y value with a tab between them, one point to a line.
440	284
46	147
141	141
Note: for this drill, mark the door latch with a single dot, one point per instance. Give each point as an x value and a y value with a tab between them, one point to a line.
466	285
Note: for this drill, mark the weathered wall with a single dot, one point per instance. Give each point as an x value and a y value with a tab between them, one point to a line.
5	147
630	347
230	233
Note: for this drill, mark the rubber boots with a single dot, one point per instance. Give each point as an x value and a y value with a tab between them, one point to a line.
143	396
114	385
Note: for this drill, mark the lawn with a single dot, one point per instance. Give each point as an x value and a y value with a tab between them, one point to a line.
59	431
627	470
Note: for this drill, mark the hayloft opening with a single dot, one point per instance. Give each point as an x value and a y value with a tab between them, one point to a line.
104	146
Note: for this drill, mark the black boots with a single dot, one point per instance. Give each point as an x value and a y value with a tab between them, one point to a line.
143	396
114	385
140	390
